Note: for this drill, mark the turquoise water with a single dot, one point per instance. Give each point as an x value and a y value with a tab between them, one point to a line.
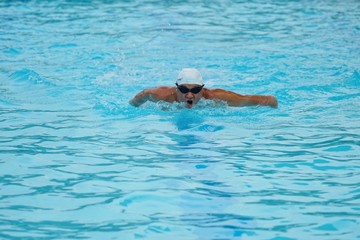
78	162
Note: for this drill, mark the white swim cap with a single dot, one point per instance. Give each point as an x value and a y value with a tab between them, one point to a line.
189	76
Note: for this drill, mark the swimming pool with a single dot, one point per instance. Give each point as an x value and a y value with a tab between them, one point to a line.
77	161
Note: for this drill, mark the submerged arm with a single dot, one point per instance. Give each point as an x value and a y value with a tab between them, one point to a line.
235	99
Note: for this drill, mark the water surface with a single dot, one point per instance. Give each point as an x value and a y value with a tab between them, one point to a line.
78	162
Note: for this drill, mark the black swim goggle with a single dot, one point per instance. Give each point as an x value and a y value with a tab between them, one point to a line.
184	89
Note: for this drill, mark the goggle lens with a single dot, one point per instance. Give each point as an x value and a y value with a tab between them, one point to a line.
184	89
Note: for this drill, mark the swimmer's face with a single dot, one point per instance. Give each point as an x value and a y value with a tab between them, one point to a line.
189	93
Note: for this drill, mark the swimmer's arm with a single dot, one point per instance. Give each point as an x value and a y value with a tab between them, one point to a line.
237	100
141	97
154	95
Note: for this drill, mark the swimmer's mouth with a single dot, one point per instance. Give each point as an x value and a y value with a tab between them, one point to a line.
189	103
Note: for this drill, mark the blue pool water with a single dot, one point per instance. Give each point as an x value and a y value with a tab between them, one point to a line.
78	162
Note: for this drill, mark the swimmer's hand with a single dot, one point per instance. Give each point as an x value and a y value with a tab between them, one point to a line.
270	101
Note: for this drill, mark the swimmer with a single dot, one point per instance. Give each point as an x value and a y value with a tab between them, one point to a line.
190	89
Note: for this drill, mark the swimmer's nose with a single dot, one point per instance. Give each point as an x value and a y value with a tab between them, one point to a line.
190	95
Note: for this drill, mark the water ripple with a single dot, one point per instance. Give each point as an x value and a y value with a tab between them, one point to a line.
78	162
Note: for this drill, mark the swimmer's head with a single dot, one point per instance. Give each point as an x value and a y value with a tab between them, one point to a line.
189	76
189	86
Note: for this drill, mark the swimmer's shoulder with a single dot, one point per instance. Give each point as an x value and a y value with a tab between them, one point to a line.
164	93
213	93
